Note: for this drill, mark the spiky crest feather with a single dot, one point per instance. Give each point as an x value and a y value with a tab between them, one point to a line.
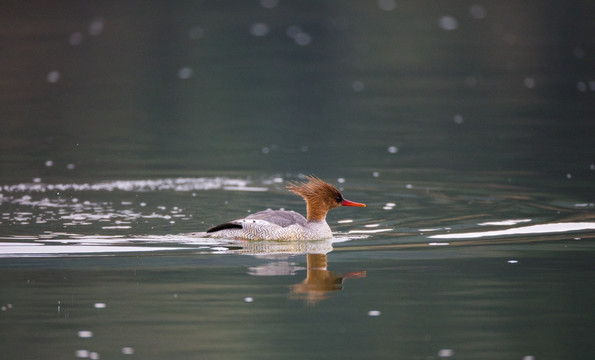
320	197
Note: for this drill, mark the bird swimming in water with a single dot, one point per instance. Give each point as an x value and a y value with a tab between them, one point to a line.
320	197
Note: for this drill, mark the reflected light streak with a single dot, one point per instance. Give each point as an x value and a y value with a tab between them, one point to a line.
533	229
369	231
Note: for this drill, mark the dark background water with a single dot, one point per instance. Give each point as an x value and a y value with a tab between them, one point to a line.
126	124
188	87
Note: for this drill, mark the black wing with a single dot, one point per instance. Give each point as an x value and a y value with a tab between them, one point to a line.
282	218
228	225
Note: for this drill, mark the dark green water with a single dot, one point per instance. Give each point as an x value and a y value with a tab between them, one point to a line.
466	127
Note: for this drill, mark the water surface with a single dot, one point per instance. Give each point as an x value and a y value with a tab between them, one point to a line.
465	127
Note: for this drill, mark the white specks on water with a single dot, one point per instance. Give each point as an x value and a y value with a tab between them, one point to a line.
569	176
86	354
392	149
529	82
345	221
448	23
438	244
70	166
248	299
99	305
513	261
374	313
458	119
409	186
85	334
96	26
371	225
259	29
127	350
445	353
176	184
83	354
581	86
389	206
528	357
300	37
357	86
185	73
341	180
477	12
49	163
303	39
53	76
375	174
387	5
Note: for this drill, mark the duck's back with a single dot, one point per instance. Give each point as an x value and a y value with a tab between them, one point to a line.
271	225
282	218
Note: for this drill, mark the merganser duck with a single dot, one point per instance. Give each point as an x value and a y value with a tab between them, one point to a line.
289	225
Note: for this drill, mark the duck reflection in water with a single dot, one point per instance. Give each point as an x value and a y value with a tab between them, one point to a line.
319	281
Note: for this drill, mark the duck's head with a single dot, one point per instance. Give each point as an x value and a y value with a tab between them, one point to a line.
320	197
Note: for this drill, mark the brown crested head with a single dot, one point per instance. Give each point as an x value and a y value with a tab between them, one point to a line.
320	197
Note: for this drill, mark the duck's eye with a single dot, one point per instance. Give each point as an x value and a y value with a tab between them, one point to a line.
339	198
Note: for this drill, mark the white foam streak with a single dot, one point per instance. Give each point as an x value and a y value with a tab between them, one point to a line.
504	222
369	231
525	230
29	249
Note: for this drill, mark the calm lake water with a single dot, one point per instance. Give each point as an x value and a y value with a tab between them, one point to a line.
466	127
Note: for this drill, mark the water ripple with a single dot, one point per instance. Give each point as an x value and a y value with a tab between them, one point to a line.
175	184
